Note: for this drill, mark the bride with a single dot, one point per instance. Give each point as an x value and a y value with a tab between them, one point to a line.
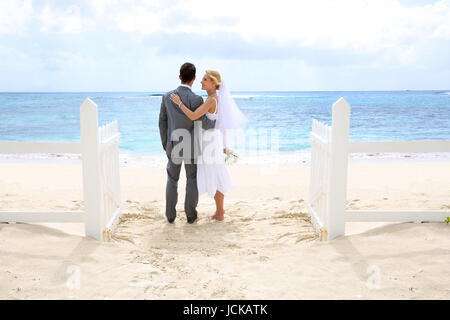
212	175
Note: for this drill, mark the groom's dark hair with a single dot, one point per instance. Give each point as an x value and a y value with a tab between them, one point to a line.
187	72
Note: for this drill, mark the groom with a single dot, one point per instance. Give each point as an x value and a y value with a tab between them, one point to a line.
173	125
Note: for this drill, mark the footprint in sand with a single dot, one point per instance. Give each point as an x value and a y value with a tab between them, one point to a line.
286	235
296	207
140	283
306	237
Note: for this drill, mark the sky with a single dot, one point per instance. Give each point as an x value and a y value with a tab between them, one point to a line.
278	45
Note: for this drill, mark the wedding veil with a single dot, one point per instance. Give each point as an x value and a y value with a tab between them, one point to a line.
230	118
229	115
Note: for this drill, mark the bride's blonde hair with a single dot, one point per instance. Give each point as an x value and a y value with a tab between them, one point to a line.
215	76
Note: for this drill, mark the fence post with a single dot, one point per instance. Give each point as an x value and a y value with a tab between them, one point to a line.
337	193
90	155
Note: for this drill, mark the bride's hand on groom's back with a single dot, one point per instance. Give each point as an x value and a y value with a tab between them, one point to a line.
175	99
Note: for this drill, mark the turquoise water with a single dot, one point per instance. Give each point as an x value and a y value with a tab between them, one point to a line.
375	116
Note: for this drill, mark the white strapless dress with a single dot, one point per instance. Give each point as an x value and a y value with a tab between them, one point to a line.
212	174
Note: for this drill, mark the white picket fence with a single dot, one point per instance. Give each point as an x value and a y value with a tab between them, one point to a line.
99	149
330	147
110	177
320	155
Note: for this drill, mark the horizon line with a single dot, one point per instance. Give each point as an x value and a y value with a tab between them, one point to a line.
162	91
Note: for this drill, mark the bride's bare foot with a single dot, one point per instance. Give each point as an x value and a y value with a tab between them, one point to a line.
212	217
218	216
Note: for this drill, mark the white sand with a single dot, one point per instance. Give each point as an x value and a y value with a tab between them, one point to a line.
265	249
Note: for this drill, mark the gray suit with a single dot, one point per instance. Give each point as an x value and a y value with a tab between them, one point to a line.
172	123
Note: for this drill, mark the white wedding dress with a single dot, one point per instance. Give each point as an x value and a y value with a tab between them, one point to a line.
212	175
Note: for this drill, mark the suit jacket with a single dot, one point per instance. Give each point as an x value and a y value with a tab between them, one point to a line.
172	118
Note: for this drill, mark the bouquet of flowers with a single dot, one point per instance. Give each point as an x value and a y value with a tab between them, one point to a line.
231	157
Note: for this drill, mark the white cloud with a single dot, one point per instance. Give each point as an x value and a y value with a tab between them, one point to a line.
62	21
365	25
141	20
100	6
389	28
132	16
318	41
14	15
360	24
397	33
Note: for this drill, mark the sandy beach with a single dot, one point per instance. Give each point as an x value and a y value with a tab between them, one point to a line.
265	248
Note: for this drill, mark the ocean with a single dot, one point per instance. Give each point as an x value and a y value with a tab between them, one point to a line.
375	116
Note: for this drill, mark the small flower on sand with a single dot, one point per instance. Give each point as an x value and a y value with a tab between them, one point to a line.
447	220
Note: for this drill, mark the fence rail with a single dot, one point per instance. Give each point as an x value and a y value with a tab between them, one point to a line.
99	150
399	216
330	147
40	147
36	216
399	146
